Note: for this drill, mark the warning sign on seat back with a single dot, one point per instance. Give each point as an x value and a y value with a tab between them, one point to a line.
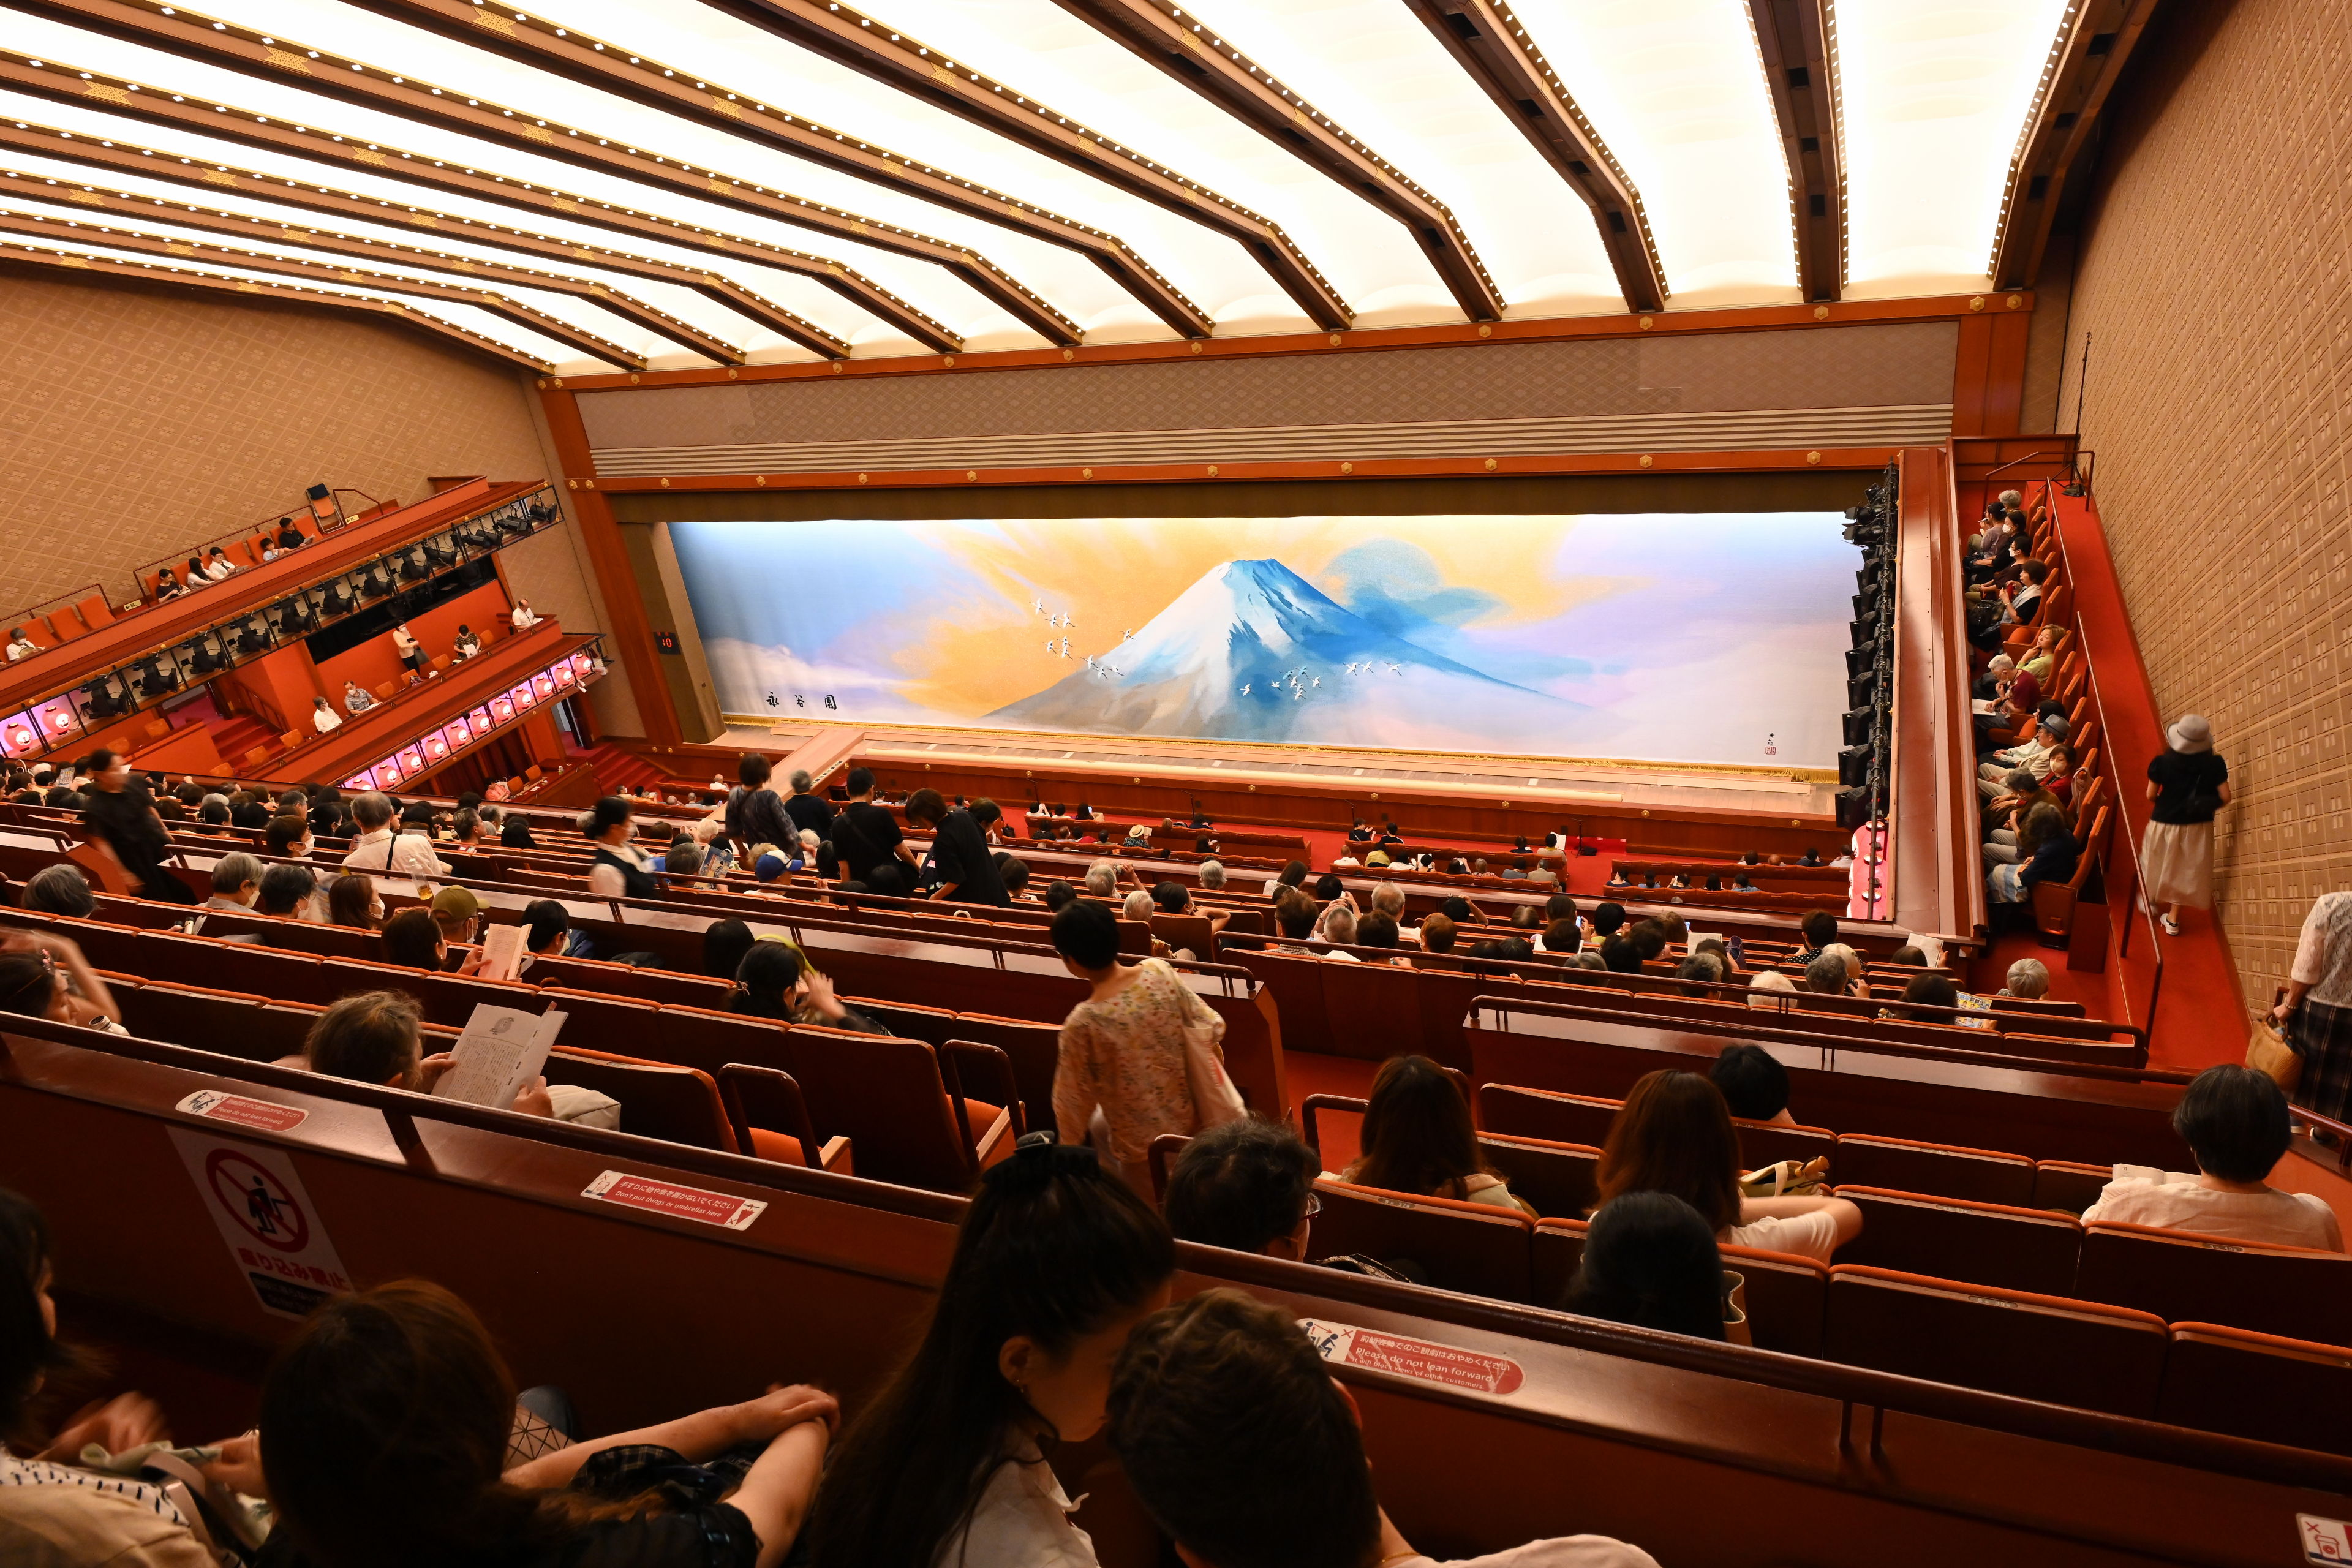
275	1235
724	1209
1422	1359
268	1115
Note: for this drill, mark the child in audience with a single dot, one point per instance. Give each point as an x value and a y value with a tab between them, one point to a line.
1650	1260
2235	1122
1056	1262
383	1438
1122	1050
1249	1186
1675	1135
1417	1139
1239	1443
43	975
59	1515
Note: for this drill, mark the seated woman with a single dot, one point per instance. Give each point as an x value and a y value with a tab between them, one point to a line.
1056	1262
1675	1135
2234	1121
547	933
58	1513
773	981
353	900
45	976
1417	1139
2047	852
1935	989
407	1375
413	937
1651	1260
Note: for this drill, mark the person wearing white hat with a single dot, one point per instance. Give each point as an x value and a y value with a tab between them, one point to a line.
2186	785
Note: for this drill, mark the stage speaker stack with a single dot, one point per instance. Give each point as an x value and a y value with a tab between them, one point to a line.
1854	766
1854	806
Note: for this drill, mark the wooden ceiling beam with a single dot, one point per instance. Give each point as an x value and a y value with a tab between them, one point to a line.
506	308
185	214
848	38
2086	63
13	249
1180	47
504	127
117	157
1490	46
1792	35
579	57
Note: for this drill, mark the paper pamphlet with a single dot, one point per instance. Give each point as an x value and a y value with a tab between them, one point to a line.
500	1050
501	952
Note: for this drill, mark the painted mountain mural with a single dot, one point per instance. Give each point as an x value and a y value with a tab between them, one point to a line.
1253	651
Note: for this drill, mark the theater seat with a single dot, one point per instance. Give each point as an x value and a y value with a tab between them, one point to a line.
1953	1238
1162	1156
2019	1342
2185	1277
1555	1178
769	1118
1555	1250
1477	1248
1787	1298
1034	1049
2065	1184
2263	1386
196	1015
1541	1113
1945	1170
658	1101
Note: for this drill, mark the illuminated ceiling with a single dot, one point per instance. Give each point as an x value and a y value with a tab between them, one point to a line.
591	185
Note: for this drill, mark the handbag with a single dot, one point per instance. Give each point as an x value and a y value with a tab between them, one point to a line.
1736	1331
1215	1100
2268	1053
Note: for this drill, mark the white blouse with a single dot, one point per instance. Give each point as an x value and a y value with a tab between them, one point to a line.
2323	953
1023	1522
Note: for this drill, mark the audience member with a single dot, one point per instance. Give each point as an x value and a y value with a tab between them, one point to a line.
44	975
1619	955
1236	1441
2048	853
236	879
1753	1083
379	847
405	1375
1818	928
1123	1051
291	891
1059	896
1925	993
1827	976
1056	1263
1417	1138
1649	1259
375	1037
353	900
288	837
2189	784
1675	1135
60	890
1648	939
119	818
1248	1185
724	943
2235	1122
413	937
775	980
2028	978
1438	935
959	854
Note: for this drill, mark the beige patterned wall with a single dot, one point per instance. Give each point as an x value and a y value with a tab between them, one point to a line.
136	421
2214	283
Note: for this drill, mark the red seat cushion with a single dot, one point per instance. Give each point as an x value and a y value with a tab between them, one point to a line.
781	1148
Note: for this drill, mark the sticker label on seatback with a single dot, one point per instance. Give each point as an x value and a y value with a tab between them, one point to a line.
262	1113
2325	1539
724	1209
1421	1359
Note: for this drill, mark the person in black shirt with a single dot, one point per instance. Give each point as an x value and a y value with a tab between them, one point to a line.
755	812
959	851
2187	785
807	810
120	816
1358	833
866	835
288	536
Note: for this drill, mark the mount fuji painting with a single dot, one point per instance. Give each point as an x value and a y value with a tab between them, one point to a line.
1253	651
1691	637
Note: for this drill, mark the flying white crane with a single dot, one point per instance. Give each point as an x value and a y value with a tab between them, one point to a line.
1245	688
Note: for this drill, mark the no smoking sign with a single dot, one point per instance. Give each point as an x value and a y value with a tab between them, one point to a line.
273	1231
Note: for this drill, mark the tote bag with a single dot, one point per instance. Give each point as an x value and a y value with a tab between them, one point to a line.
1215	1100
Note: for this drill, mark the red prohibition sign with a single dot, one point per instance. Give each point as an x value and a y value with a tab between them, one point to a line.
257	1201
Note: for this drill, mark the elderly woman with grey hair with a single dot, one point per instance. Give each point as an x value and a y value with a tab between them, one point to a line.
2028	978
1213	874
1102	880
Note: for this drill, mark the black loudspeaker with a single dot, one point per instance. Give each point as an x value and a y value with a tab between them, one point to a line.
1864	604
1854	766
1862	690
1857	726
1859	661
1864	630
1854	806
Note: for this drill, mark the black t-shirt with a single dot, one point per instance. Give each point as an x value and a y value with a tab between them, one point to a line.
126	819
718	1536
963	855
808	810
864	836
2184	784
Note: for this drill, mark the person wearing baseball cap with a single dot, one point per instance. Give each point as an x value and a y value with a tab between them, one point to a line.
457	912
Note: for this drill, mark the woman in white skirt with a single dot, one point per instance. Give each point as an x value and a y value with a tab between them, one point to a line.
2187	785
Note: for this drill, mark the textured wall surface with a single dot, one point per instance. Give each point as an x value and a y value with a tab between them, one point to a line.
136	422
2215	286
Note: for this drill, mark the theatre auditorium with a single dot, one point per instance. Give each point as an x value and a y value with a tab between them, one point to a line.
1175	784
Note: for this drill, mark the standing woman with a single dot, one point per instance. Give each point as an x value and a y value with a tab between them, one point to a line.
411	651
2317	1012
2188	783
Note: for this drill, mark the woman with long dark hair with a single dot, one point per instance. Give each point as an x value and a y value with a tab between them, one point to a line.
353	900
1675	1135
1417	1139
383	1437
1650	1260
1056	1262
775	980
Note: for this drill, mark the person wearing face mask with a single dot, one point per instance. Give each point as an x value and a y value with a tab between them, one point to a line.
620	869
